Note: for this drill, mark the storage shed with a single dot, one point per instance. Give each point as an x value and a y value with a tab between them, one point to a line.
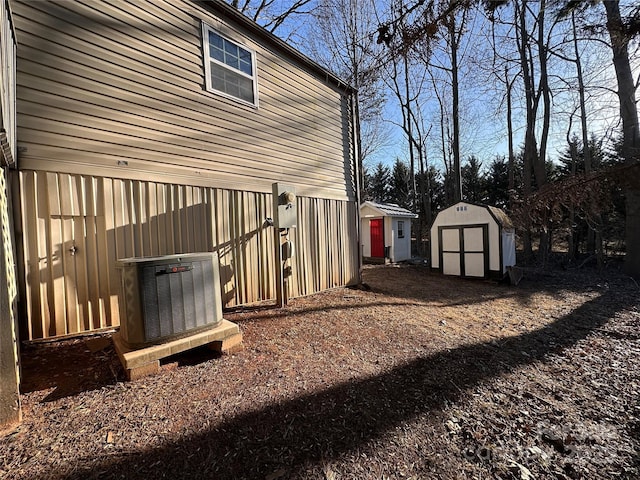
386	232
472	241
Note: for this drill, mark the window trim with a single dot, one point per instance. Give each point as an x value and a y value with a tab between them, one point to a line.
400	228
207	59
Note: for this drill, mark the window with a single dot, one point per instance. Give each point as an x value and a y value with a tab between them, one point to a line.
400	229
230	68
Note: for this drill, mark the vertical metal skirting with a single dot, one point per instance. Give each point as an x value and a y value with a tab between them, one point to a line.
9	370
76	227
326	252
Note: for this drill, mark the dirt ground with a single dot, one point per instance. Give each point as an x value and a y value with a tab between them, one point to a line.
419	376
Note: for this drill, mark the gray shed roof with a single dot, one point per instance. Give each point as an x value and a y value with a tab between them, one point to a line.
498	214
501	216
390	209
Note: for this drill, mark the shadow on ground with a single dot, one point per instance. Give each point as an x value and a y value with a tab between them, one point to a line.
418	282
312	429
74	366
69	367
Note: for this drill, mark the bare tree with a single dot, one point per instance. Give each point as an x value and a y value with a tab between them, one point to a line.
505	70
343	43
405	76
447	61
531	31
620	32
454	36
594	240
621	28
272	14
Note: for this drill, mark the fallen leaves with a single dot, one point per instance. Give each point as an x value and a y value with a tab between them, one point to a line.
421	376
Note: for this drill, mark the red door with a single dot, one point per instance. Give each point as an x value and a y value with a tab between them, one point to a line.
377	238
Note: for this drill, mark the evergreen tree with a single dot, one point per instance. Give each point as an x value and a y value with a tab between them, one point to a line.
379	186
435	191
400	188
365	192
553	171
473	181
497	183
566	165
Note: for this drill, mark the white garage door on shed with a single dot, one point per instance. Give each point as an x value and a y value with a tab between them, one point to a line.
470	240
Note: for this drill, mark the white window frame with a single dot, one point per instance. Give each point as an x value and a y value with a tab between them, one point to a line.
207	66
400	228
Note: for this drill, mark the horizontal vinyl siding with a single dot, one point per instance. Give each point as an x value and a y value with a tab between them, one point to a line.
103	83
75	227
7	87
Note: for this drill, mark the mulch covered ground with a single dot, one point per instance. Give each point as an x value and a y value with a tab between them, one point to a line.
422	376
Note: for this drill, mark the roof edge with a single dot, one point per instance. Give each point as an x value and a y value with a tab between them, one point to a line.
503	219
237	16
375	206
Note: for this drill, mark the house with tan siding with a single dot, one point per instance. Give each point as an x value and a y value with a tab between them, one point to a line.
9	368
149	128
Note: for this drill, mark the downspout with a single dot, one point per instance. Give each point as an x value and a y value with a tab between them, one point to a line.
355	145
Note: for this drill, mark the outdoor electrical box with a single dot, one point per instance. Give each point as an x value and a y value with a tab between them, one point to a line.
286	202
285	215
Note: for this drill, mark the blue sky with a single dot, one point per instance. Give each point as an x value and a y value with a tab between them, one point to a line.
483	114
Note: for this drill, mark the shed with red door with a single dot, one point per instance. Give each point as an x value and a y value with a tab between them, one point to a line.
386	232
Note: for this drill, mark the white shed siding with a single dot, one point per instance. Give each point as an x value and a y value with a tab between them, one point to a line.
368	212
388	236
365	237
471	215
401	249
508	248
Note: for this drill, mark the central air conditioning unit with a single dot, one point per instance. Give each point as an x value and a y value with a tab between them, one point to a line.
164	298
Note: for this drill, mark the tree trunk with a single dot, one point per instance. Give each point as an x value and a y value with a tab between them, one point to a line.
530	148
448	195
457	177
573	247
426	205
409	130
630	131
539	167
512	158
594	240
632	233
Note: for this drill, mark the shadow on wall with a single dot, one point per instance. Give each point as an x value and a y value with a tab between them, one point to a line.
77	227
74	285
129	119
323	426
